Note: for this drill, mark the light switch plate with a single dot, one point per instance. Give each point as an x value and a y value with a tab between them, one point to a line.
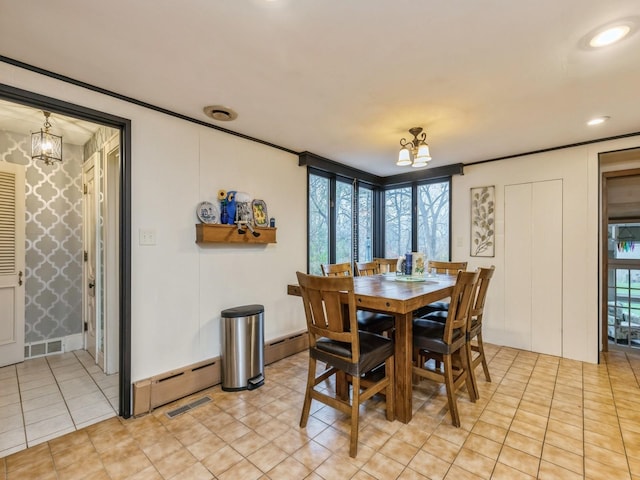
147	236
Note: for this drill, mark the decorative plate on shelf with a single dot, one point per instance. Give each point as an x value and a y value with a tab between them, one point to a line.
260	217
208	212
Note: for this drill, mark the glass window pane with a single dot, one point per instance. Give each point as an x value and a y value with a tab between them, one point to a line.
624	240
365	224
397	224
623	309
344	221
318	223
433	220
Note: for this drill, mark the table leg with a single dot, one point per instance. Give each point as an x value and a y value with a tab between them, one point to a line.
403	362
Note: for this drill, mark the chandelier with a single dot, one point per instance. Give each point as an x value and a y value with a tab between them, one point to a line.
45	145
414	152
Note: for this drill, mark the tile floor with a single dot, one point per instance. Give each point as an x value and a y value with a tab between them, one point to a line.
541	417
46	397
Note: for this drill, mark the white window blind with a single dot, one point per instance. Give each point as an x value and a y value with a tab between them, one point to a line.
7	223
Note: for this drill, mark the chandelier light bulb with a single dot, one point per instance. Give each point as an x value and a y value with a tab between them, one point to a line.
404	158
423	152
417	163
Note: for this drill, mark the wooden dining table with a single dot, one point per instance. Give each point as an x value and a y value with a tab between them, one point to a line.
399	296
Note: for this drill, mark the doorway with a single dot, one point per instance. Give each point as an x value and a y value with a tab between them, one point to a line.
620	252
119	256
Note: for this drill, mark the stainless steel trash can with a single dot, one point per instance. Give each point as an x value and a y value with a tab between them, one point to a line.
242	353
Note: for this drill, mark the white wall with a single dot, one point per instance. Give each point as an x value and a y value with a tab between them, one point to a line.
178	287
578	170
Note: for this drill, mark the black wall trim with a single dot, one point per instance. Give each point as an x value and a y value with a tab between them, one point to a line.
386	181
35	100
125	271
312	160
140	103
443	172
316	161
551	149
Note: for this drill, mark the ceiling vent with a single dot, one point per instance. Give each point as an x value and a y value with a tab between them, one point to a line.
220	113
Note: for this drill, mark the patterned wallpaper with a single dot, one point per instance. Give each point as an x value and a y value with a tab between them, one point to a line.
53	276
98	139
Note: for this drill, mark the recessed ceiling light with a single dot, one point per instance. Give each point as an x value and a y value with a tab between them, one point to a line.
597	121
610	35
220	113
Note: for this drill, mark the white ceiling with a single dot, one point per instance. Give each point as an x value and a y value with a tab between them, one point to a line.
346	79
25	120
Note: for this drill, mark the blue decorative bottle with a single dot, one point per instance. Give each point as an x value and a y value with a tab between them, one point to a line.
224	215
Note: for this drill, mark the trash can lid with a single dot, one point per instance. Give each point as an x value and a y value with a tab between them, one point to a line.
242	311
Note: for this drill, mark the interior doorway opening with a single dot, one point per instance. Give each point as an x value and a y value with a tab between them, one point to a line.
113	226
620	250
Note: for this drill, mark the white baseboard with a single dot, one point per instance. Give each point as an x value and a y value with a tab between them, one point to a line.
73	342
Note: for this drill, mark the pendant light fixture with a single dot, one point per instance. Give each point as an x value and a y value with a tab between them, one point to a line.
45	145
414	152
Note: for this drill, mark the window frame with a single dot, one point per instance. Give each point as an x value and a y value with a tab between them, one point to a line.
379	218
414	211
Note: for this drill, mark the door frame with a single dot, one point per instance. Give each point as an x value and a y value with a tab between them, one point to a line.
111	187
604	254
90	264
54	105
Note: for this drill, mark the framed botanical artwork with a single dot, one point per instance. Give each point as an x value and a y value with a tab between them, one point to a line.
483	203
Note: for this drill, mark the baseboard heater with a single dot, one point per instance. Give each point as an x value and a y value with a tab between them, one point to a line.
283	347
168	387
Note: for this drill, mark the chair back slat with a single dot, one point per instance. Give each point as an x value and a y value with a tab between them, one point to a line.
386	265
450	268
367	268
337	269
484	277
459	307
326	312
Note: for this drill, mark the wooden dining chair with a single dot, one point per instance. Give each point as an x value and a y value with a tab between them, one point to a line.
445	343
347	350
386	265
369	321
474	345
336	269
367	268
474	332
450	268
435	266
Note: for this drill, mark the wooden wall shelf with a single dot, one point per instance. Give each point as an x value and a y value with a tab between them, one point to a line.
214	233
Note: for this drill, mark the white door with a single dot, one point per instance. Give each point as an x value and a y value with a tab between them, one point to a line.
546	275
89	270
12	263
533	266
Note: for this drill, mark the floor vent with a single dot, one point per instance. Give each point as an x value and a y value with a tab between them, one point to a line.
40	349
185	408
